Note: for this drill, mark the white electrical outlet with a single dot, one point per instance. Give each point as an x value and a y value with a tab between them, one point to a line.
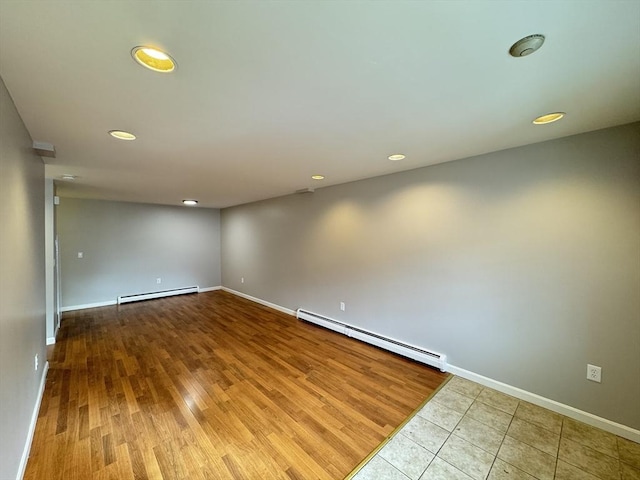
342	306
158	280
594	373
35	361
80	255
242	280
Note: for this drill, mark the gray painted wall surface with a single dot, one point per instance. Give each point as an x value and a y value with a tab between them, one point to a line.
22	288
521	265
126	246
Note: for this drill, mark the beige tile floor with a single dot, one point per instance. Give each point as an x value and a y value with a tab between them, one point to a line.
467	431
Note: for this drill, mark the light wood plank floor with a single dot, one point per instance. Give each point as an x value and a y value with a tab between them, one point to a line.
212	386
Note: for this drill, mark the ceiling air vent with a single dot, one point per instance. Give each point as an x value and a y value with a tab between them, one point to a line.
44	149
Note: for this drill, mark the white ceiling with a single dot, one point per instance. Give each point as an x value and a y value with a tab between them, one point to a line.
268	93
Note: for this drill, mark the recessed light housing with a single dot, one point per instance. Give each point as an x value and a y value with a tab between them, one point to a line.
122	135
548	118
190	202
68	176
317	177
154	59
526	46
397	156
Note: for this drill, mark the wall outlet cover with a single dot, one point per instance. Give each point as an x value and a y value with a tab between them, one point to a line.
594	373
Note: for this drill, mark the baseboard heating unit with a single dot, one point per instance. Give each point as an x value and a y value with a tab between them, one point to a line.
434	359
151	295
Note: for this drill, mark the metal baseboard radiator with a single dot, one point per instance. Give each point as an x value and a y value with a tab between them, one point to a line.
151	295
434	359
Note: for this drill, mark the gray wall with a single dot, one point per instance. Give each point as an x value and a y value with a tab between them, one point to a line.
521	265
22	292
126	246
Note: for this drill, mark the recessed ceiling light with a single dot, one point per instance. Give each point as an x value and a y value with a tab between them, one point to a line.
122	135
317	177
548	118
154	59
396	157
190	202
526	46
67	176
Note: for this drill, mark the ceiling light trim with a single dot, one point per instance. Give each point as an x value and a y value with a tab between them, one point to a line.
548	118
527	45
154	59
122	135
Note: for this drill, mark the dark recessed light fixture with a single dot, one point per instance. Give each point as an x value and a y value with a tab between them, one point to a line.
526	46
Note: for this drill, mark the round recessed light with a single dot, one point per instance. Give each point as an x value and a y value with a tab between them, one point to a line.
396	157
190	202
317	177
526	46
154	59
67	176
548	118
122	135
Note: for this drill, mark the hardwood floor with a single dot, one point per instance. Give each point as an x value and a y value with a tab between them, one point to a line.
212	386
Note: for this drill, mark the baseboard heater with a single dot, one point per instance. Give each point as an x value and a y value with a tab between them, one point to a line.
434	359
151	295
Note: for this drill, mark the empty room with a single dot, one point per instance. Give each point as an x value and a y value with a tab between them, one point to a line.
360	240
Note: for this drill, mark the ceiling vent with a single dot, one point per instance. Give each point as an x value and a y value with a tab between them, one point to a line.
526	46
44	149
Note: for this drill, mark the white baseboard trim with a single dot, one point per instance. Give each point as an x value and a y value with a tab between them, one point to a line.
288	311
209	289
115	302
88	305
32	426
561	408
51	340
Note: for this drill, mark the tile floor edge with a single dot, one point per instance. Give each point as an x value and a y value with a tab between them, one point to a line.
567	410
375	451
